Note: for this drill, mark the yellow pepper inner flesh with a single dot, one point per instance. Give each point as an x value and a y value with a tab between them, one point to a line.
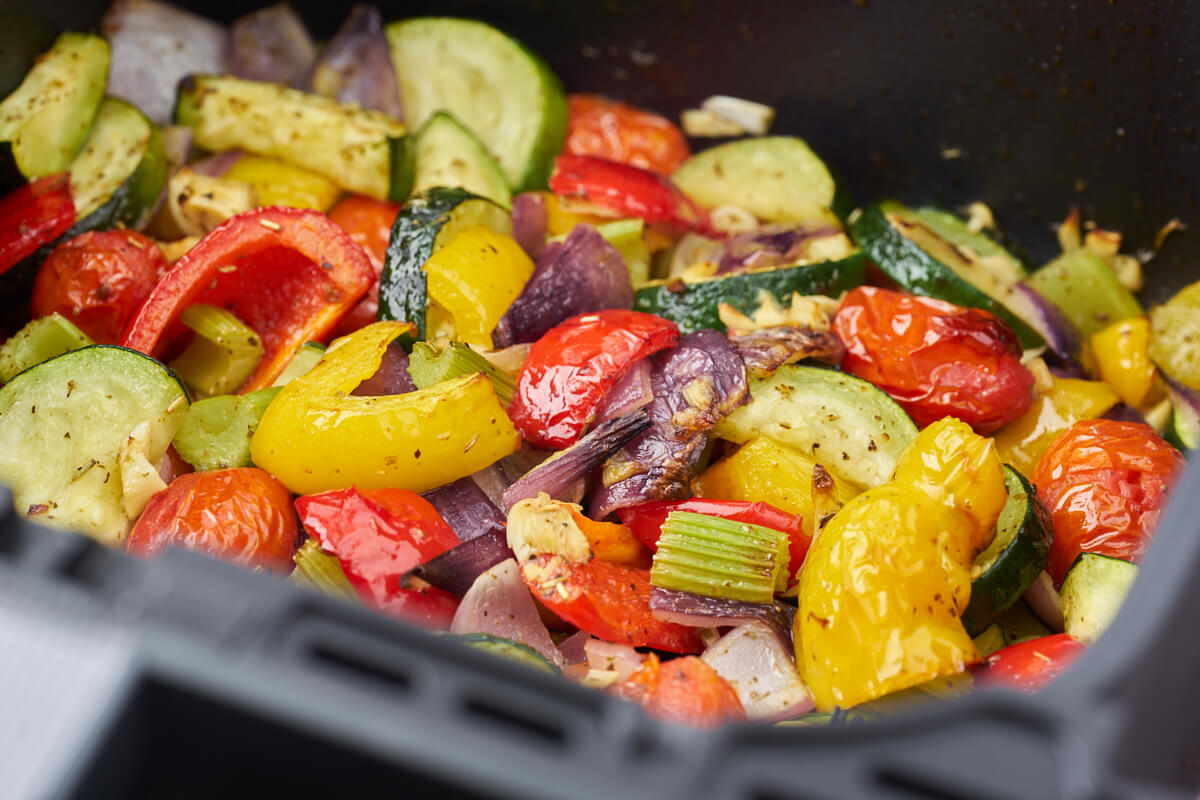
316	436
277	183
474	278
884	584
1022	442
1122	355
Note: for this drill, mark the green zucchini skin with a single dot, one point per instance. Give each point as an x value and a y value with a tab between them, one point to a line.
1092	593
918	272
417	235
1028	531
506	648
693	306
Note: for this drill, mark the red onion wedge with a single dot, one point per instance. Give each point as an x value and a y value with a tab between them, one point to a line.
1043	598
773	245
217	164
1123	413
557	474
700	611
499	604
584	273
631	392
613	657
272	45
762	670
1061	336
154	45
574	647
357	67
466	508
695	384
456	569
529	222
766	350
392	376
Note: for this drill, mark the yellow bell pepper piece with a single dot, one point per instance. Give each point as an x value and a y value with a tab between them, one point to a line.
1122	355
474	278
281	184
884	583
765	471
315	436
1022	442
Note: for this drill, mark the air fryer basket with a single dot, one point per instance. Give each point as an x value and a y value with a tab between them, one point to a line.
190	678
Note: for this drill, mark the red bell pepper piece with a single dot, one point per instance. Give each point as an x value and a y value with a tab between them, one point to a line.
289	274
571	368
378	535
646	519
628	190
35	214
1029	666
609	601
683	690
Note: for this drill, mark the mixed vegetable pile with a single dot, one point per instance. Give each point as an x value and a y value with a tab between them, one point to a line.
396	317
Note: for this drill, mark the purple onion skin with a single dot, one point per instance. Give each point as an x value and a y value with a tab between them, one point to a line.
1183	394
765	351
154	45
631	392
1062	337
217	164
585	273
772	245
272	45
466	509
392	376
700	611
456	569
1123	413
357	67
557	476
529	221
662	460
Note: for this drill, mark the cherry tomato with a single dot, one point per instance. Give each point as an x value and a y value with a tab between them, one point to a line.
1105	484
1029	666
609	601
33	215
617	131
629	191
378	535
934	358
571	368
241	515
99	280
683	690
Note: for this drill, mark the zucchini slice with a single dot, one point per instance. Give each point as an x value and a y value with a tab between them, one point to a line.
1018	623
1183	431
693	306
116	180
847	424
776	178
1086	290
360	150
45	121
912	247
503	93
425	224
1092	594
82	433
1018	552
506	648
447	154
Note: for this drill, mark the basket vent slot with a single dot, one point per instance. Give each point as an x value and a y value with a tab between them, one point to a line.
494	713
374	670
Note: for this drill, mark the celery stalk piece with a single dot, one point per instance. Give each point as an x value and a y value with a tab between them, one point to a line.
223	354
306	357
720	558
321	571
427	366
40	340
216	432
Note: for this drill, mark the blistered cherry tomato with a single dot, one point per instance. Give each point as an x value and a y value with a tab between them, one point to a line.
1105	484
571	368
99	280
369	222
1028	666
241	515
683	690
934	358
617	131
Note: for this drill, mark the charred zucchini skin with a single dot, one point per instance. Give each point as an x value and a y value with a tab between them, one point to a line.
693	306
416	235
1025	532
918	272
